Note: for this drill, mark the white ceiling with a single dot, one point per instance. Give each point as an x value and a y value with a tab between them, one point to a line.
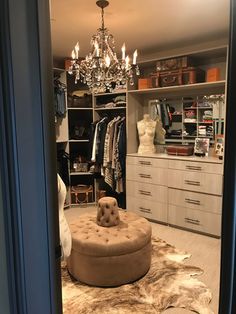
147	25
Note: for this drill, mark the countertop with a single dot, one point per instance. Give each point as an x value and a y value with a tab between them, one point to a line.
210	159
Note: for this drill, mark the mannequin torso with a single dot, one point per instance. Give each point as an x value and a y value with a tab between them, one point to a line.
146	132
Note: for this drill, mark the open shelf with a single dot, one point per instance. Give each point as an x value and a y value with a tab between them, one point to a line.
78	141
81	173
77	108
112	108
183	89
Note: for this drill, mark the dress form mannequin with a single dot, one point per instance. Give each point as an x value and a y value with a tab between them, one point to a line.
65	234
146	132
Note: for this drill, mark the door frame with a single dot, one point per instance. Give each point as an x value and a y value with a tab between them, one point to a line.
33	264
227	303
27	158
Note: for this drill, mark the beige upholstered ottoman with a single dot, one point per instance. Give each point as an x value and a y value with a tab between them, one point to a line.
110	256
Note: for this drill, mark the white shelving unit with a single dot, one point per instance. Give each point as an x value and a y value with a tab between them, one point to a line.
137	105
139	99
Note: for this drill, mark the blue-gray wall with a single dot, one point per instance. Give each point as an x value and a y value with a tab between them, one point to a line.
4	296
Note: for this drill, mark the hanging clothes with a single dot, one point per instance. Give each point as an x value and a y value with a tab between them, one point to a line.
101	140
108	150
59	98
63	166
119	158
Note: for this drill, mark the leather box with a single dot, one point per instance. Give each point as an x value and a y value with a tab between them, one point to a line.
179	150
67	64
190	75
213	74
174	63
144	83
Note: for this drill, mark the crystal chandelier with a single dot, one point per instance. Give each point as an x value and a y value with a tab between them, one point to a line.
101	69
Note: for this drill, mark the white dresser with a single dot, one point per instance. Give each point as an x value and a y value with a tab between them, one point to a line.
180	191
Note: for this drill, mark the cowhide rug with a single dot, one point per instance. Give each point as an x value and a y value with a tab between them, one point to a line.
169	283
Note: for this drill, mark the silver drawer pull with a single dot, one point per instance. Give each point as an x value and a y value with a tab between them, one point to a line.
192	221
145	192
190	201
145	210
193	167
145	176
189	182
146	163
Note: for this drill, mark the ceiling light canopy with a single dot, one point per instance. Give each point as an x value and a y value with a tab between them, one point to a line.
101	69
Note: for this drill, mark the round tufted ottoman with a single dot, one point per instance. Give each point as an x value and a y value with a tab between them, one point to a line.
110	256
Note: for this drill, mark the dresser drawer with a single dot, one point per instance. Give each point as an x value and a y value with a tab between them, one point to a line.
194	181
194	219
151	210
147	162
150	192
199	201
146	174
196	166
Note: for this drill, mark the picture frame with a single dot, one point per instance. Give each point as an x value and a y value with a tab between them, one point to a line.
219	145
201	146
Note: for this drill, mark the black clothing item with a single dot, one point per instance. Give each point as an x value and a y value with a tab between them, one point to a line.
102	128
63	166
122	147
59	98
165	115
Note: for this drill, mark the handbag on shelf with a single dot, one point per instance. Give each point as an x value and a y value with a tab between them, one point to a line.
82	101
82	193
80	164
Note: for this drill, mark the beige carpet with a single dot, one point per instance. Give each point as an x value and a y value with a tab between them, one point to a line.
170	282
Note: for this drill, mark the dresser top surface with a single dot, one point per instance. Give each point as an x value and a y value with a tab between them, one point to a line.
210	159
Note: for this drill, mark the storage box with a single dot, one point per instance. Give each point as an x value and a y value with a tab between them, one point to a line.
190	75
213	74
144	83
179	150
174	63
81	101
80	167
67	64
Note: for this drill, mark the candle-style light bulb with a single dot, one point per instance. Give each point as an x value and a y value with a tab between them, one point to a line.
135	56
73	55
77	50
108	61
123	51
127	62
96	49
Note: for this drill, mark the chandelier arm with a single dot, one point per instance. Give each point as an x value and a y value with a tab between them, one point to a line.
103	27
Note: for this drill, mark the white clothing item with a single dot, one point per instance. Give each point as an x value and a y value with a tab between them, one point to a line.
94	143
65	234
